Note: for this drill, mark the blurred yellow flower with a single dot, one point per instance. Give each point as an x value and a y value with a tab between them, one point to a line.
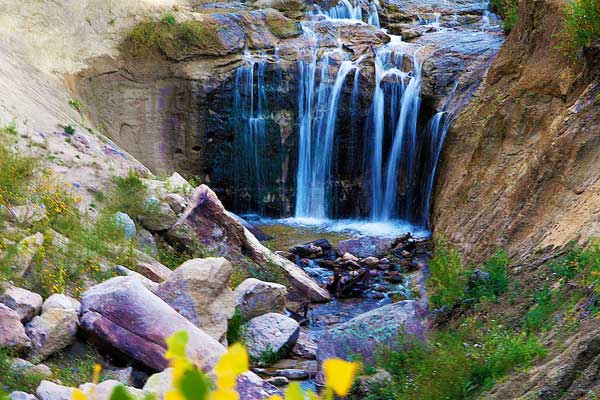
78	395
233	363
339	375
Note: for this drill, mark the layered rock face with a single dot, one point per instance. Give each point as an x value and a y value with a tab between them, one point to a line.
521	163
189	111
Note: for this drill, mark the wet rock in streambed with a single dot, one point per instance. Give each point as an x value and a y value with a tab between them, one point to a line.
278	381
367	332
305	347
270	336
367	246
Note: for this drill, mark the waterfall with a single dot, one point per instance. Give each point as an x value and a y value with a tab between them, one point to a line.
317	123
352	10
403	146
387	66
249	103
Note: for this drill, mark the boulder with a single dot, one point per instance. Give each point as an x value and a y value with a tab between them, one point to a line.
61	301
366	246
103	390
21	396
51	391
25	367
176	201
370	261
27	215
122	375
146	243
270	333
205	221
126	223
27	304
254	297
305	347
160	216
199	290
12	332
127	316
26	249
364	334
124	271
349	257
52	331
363	386
289	8
249	386
159	384
150	267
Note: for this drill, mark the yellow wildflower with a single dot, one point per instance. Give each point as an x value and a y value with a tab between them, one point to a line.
97	370
339	375
275	397
78	395
233	363
225	394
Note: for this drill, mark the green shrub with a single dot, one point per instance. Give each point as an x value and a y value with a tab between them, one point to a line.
448	278
267	272
508	10
457	363
168	36
497	279
235	327
544	305
129	196
16	173
581	25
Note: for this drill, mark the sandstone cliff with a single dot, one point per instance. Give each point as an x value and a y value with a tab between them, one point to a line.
521	164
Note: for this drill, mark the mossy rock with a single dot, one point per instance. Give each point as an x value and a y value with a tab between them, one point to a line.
281	26
210	35
290	8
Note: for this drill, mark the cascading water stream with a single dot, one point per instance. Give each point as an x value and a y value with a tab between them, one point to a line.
403	146
317	123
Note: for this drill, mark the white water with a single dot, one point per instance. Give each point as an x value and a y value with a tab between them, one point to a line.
317	127
391	229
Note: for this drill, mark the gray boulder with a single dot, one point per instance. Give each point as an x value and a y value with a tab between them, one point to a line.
126	223
160	216
12	332
364	334
52	331
27	304
25	367
254	297
146	243
270	333
21	396
199	290
366	246
51	391
61	301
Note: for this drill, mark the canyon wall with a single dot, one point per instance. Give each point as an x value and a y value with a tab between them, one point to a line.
521	163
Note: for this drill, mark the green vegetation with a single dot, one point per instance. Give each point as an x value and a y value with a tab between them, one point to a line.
69	130
72	371
448	276
267	357
509	11
452	283
581	25
11	380
456	363
266	272
168	36
75	247
76	105
235	328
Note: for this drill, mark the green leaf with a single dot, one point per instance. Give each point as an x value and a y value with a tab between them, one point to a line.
194	385
121	393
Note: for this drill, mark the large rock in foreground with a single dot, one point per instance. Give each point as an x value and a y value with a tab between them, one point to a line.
205	221
199	290
27	304
254	297
270	334
52	331
12	332
123	313
364	334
